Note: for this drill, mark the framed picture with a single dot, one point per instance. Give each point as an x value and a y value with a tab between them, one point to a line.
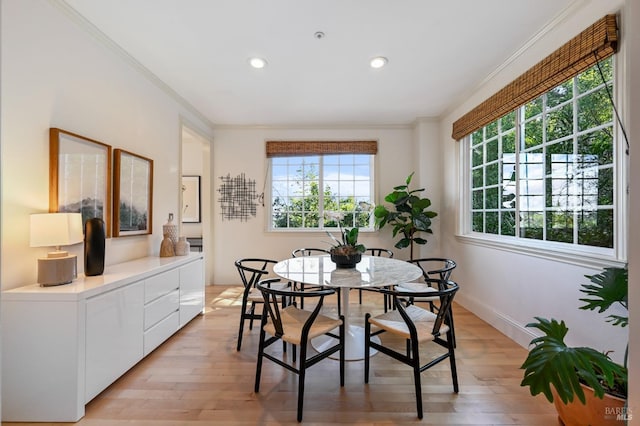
132	194
191	199
79	176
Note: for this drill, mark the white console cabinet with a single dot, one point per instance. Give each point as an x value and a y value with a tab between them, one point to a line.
64	345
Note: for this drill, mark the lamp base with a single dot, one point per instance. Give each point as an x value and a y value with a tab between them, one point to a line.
57	270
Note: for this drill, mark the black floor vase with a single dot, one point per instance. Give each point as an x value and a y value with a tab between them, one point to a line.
94	238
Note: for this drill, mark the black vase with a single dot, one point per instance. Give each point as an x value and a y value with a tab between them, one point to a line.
94	237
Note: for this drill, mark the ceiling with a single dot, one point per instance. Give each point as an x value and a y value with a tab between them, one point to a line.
438	52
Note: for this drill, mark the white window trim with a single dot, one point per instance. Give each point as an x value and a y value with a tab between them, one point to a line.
592	257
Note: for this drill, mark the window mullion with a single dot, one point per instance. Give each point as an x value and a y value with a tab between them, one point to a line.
321	193
519	141
575	214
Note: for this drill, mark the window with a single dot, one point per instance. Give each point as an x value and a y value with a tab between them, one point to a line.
314	192
545	171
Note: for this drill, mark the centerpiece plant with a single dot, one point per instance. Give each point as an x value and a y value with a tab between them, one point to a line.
346	252
347	244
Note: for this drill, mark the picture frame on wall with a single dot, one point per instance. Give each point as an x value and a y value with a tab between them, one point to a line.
79	176
132	194
191	209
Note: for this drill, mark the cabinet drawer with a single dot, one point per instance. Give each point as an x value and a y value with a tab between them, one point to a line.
160	308
160	284
160	332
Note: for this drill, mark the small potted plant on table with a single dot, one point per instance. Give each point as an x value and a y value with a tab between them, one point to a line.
346	252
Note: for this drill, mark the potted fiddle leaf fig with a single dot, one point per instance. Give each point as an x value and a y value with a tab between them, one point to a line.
409	215
590	377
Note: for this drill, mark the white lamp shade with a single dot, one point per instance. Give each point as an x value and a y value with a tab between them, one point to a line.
56	229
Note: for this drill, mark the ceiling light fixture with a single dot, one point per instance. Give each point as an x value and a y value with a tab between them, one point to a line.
257	63
378	62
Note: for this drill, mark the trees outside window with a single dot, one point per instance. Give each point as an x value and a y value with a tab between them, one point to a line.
321	191
545	171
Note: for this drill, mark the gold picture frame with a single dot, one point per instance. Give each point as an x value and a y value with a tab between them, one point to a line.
79	176
132	194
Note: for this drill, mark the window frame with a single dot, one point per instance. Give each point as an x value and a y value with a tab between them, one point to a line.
589	256
321	229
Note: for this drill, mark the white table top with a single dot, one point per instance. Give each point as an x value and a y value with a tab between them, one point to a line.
372	271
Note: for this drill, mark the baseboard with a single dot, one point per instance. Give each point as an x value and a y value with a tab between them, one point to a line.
501	322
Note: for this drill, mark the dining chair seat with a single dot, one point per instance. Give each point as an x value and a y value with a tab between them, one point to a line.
423	319
418	288
293	321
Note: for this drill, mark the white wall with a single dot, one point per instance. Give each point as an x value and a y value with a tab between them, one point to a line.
632	30
54	74
242	150
508	289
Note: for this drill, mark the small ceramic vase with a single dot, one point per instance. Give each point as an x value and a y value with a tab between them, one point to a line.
182	247
171	229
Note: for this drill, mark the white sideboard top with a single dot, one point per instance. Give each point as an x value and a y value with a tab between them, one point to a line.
114	276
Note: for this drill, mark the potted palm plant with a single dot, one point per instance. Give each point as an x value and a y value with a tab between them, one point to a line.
409	217
566	374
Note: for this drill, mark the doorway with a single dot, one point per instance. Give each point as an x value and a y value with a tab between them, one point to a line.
195	198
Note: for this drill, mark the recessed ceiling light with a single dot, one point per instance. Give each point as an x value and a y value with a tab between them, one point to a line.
378	62
257	62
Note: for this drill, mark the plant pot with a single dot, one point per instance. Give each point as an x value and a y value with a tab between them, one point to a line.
608	411
346	261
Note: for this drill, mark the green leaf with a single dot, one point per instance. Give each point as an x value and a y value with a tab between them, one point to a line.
409	178
380	212
552	363
609	287
405	242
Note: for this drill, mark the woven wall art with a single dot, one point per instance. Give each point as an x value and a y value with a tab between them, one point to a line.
237	197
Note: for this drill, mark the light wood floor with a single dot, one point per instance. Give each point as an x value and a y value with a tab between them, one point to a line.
198	378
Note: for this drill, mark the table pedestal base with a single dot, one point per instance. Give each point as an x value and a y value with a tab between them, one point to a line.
353	342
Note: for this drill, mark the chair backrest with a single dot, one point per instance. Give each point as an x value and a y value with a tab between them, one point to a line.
379	252
252	270
435	267
300	252
273	305
446	291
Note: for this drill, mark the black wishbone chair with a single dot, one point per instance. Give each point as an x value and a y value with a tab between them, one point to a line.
297	326
432	267
308	251
251	271
415	325
377	252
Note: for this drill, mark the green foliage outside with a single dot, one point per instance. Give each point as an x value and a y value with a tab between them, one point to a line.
303	211
564	185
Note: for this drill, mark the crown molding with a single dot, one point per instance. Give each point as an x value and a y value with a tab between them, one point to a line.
553	23
316	126
101	37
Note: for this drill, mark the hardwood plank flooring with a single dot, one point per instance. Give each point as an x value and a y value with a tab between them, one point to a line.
198	378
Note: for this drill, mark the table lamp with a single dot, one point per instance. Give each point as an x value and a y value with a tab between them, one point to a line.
56	230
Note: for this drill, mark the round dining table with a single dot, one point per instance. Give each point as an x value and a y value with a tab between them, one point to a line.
371	272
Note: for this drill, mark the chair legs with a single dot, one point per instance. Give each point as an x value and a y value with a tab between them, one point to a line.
411	358
244	316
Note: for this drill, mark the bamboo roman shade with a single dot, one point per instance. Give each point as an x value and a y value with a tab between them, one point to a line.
299	148
594	44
